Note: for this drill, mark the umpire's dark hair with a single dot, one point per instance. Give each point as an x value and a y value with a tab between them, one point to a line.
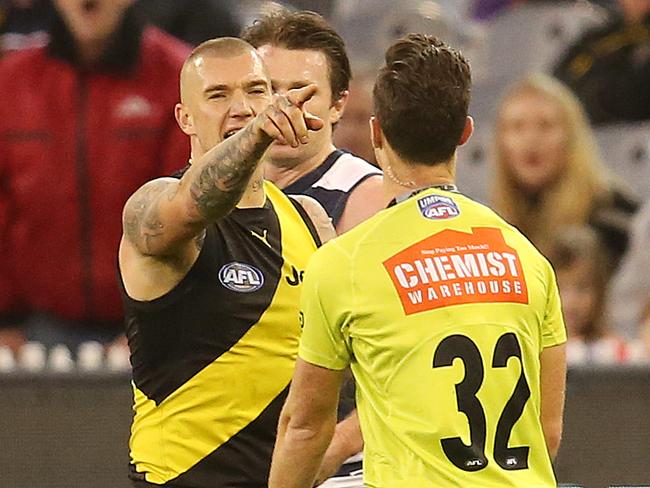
421	98
304	30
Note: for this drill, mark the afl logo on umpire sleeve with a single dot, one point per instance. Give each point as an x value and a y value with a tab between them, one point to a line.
241	277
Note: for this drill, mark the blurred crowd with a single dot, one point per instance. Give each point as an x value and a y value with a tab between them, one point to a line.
562	150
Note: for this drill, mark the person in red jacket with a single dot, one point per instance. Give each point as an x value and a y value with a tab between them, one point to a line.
84	122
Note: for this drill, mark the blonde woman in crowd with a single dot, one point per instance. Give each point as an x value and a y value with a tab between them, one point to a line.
548	171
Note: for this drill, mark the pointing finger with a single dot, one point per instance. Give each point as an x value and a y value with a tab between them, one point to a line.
298	96
313	122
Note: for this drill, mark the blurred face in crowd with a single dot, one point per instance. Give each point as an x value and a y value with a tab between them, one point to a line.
290	69
352	132
532	139
634	10
579	295
220	95
92	21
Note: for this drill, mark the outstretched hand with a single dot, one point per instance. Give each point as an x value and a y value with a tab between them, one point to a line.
286	119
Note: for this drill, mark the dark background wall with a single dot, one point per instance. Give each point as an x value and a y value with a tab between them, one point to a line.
69	431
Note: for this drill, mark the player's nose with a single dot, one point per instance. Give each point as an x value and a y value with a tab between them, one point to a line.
240	105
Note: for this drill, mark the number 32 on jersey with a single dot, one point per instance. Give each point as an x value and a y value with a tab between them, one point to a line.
472	457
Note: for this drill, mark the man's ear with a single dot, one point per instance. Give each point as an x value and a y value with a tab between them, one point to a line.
338	107
376	135
468	130
184	119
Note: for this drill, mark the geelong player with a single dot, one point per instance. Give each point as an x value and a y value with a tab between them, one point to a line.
449	318
301	48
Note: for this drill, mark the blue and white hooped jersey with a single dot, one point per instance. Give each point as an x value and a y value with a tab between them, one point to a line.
333	181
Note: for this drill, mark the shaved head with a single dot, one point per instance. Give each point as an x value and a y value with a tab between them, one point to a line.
223	47
223	85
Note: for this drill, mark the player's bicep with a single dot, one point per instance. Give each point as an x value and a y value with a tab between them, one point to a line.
553	385
155	219
366	200
318	216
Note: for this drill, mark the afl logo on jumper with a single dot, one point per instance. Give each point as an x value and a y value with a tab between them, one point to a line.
241	277
438	207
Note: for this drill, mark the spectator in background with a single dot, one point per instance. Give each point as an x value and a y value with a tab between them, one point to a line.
192	22
83	123
352	131
548	172
609	67
24	24
578	258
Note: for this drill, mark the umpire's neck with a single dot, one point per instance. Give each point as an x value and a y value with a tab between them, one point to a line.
402	175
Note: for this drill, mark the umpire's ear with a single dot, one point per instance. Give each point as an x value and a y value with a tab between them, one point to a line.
468	130
376	135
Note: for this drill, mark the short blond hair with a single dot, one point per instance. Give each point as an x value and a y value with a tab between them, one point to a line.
221	47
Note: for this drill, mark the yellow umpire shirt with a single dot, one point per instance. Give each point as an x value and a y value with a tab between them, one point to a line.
442	310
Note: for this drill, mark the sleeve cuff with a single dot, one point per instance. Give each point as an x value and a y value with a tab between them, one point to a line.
314	358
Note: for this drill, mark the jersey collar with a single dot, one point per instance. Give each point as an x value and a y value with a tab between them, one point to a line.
405	196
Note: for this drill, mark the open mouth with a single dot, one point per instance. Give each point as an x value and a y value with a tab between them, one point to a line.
89	5
231	132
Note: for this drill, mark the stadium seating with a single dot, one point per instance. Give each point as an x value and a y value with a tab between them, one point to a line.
531	37
625	149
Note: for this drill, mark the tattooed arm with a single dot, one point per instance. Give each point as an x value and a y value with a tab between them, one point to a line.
165	215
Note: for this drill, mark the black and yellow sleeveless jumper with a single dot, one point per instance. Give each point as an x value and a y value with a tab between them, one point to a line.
212	359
